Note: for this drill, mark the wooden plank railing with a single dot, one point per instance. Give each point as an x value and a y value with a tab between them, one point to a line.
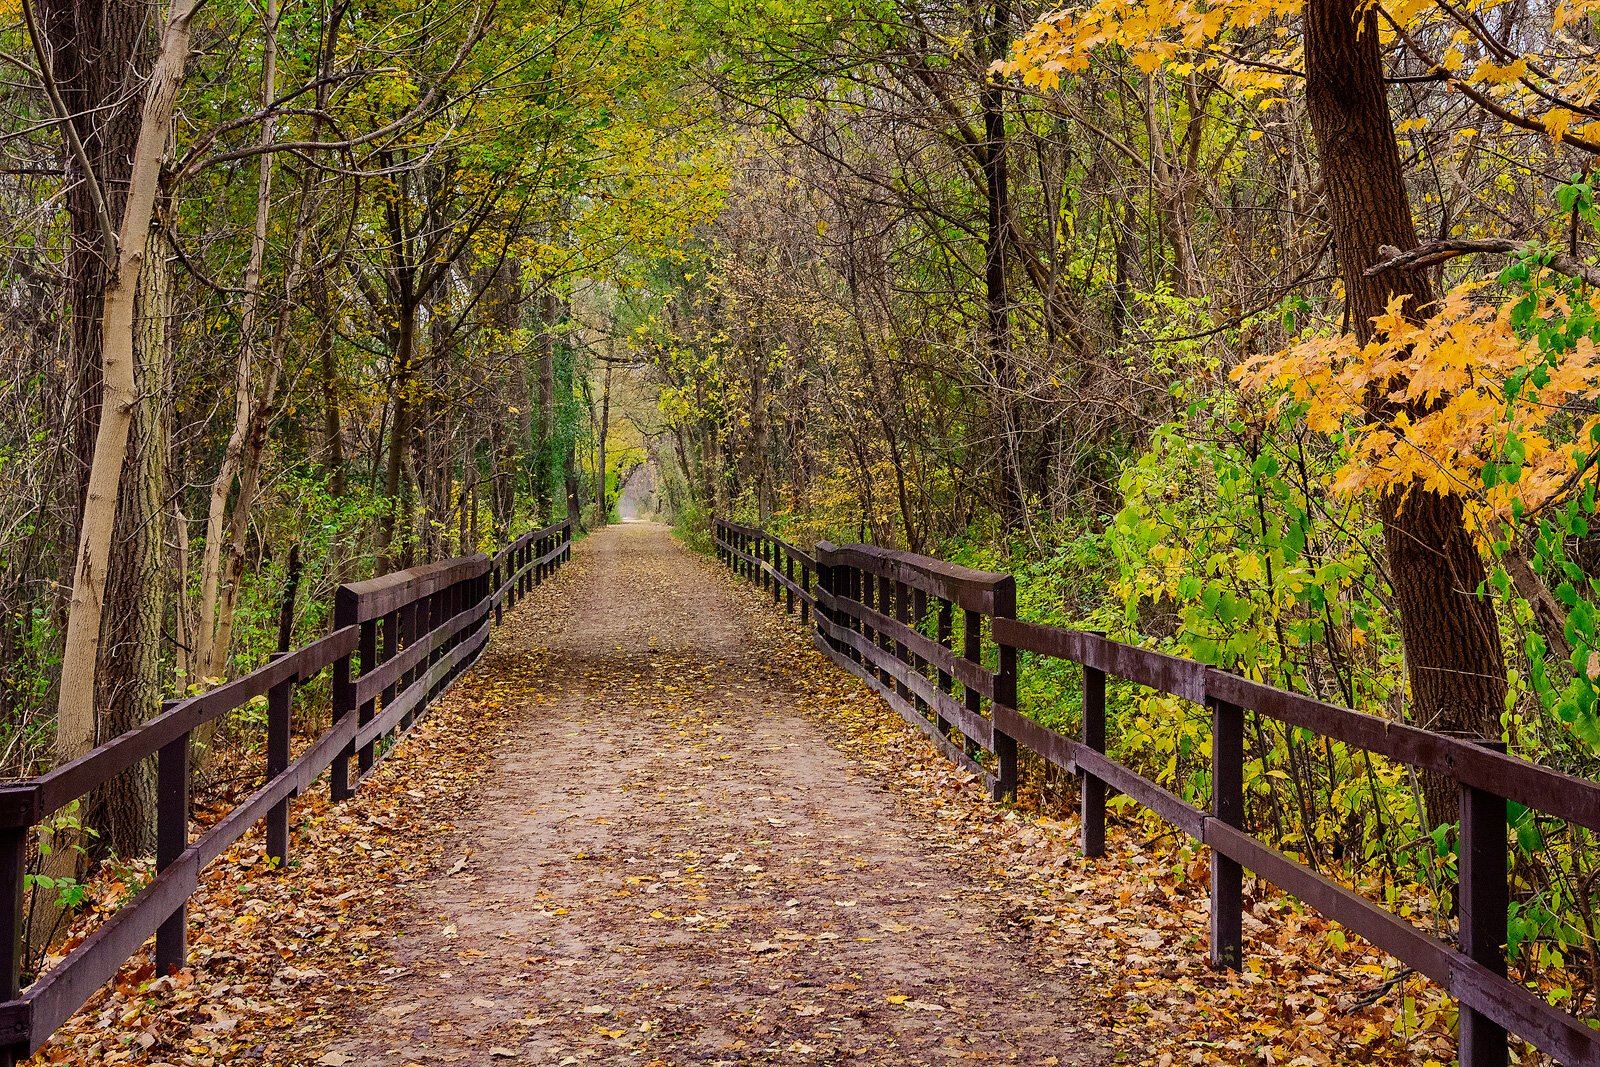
770	563
888	617
398	642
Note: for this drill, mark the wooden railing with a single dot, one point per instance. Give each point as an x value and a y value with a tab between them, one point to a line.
889	618
770	563
398	642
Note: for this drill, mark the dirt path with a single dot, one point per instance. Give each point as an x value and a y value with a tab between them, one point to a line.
669	864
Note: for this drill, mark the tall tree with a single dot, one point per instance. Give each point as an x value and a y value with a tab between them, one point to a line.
1452	637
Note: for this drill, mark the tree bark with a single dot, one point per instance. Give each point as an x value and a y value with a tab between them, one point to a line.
90	50
76	710
1454	659
129	683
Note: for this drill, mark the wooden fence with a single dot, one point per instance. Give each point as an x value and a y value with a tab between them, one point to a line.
888	618
398	642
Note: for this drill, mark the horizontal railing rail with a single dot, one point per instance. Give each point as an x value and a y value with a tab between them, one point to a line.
889	618
398	642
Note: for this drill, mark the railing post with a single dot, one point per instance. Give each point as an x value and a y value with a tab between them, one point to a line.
1091	790
13	871
1481	907
172	840
823	589
1227	805
391	649
436	607
280	704
944	631
494	583
805	587
867	597
408	636
902	652
972	652
344	694
364	715
916	617
884	603
1005	694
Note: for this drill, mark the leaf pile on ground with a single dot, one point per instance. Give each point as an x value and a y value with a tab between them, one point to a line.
1134	922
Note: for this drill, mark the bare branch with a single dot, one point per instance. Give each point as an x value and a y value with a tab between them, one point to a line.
64	117
1433	252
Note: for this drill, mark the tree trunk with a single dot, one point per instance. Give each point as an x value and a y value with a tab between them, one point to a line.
1454	658
997	301
760	434
399	436
129	686
543	475
332	413
76	710
254	384
90	48
1174	215
571	479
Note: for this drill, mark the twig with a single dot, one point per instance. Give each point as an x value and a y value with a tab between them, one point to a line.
1378	992
108	228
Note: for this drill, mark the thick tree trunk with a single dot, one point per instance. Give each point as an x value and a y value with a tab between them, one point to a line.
129	686
1454	658
76	717
574	509
1174	213
91	48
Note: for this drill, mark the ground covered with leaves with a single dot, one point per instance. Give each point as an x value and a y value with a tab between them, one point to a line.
655	826
276	957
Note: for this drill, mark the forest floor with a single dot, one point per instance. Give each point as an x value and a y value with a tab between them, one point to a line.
653	826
